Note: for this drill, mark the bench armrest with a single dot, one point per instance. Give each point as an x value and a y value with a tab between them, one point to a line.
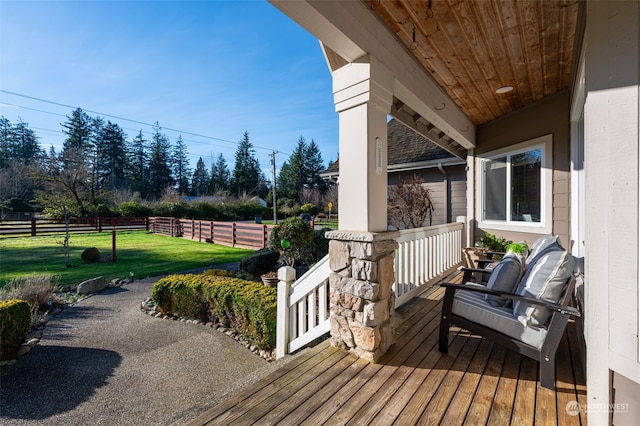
567	310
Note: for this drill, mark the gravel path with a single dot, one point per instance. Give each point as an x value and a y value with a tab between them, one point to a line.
103	362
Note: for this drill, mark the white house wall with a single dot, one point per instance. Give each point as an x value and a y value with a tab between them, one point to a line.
612	176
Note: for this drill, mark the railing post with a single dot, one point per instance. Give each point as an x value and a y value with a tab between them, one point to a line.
146	223
33	226
287	276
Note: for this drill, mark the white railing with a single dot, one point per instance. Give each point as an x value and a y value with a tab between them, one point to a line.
423	257
303	307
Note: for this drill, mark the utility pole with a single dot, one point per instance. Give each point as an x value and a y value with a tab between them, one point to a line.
275	207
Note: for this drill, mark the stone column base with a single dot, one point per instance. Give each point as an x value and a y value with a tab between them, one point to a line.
362	300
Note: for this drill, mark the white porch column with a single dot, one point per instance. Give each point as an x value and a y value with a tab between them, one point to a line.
363	96
362	252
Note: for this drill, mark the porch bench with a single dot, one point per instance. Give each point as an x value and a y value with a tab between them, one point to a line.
525	313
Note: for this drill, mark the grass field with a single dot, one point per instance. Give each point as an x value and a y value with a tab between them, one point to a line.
139	252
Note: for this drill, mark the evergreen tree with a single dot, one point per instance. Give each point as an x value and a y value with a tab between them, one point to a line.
113	160
7	137
78	144
180	164
313	167
293	173
139	172
200	179
159	168
246	178
220	176
25	147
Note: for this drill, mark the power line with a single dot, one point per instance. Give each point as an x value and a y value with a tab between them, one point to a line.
117	117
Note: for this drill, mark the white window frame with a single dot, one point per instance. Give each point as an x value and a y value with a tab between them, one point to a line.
545	226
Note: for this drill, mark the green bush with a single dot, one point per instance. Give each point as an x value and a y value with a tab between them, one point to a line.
312	209
318	248
298	233
15	320
246	306
134	209
260	262
171	209
206	211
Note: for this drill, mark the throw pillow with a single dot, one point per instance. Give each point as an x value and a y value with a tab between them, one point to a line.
505	277
545	279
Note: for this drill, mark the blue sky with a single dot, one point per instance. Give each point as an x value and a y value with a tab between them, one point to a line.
213	68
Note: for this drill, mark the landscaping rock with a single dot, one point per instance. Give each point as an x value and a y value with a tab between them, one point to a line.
90	255
94	285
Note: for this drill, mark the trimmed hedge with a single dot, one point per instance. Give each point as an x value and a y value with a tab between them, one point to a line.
15	320
260	262
247	306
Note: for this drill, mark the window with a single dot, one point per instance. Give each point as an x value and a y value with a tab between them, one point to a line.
515	190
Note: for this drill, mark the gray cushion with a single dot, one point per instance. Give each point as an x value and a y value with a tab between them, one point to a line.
474	307
540	245
505	277
545	279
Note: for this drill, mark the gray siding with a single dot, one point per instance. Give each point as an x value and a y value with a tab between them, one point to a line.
550	116
435	181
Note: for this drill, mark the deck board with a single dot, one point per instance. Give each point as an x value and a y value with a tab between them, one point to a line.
477	382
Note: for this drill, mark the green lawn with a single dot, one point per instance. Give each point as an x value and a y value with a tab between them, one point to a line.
138	251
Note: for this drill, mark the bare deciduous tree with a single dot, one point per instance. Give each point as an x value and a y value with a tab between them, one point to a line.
409	204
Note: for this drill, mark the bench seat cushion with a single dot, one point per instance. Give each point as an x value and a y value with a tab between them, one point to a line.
474	307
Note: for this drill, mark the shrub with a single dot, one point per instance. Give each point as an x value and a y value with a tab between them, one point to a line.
260	262
297	232
15	320
246	306
180	295
90	255
318	248
36	291
133	209
170	209
309	208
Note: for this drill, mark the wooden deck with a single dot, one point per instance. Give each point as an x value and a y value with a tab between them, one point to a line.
476	383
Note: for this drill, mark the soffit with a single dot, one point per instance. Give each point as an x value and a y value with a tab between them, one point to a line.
472	48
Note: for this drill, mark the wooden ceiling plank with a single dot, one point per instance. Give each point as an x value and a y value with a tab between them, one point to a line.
451	36
486	77
530	29
438	41
509	25
550	49
504	52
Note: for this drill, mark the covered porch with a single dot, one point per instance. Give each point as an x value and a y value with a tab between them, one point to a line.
477	382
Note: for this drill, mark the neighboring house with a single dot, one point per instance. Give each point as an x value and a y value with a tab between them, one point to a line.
541	99
258	200
410	153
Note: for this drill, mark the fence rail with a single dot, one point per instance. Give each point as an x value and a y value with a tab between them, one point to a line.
35	227
235	234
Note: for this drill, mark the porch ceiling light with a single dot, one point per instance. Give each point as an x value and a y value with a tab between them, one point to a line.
504	89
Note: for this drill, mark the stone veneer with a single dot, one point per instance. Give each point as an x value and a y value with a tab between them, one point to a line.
362	300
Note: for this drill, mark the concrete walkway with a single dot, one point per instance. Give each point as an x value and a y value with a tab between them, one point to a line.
104	362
